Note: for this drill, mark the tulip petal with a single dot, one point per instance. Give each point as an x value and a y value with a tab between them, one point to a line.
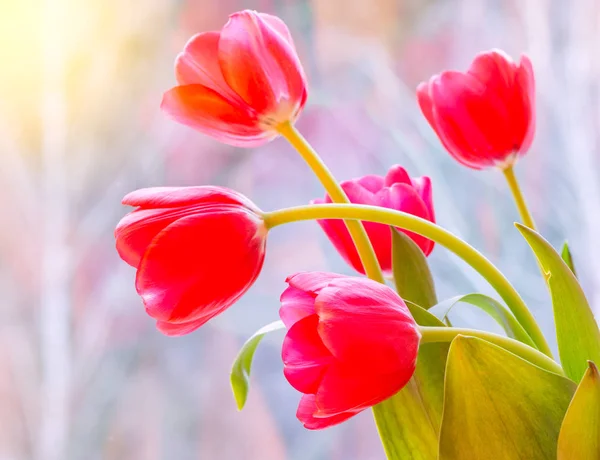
343	390
279	26
525	107
397	175
496	71
170	197
451	139
200	265
198	64
305	358
311	282
426	104
423	188
406	198
295	305
308	407
260	65
179	329
210	113
358	193
358	316
136	230
468	123
371	183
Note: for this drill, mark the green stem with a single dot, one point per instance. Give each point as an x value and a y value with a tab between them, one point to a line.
337	195
447	334
509	173
429	230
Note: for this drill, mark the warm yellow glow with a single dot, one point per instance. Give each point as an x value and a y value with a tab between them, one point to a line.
94	51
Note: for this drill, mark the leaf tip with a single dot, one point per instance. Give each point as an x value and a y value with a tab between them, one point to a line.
240	393
240	403
567	257
525	230
593	370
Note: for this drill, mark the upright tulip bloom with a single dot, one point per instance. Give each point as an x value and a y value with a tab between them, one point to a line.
196	249
351	343
486	116
238	85
397	190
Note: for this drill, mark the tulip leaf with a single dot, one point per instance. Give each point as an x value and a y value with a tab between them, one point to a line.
565	255
411	271
423	317
492	307
240	371
579	436
409	422
577	332
499	406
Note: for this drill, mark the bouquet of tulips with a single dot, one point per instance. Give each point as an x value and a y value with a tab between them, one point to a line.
381	339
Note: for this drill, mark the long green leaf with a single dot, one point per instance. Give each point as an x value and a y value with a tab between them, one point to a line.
240	371
577	332
565	255
492	307
499	406
409	422
411	272
579	436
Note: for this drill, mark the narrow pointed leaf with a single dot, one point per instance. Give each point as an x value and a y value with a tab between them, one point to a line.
409	422
566	256
499	406
579	436
492	307
423	317
240	371
577	332
411	271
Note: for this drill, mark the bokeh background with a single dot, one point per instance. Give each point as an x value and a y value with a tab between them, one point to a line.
83	373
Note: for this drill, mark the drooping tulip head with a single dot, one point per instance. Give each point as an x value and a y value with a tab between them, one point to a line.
397	190
485	116
197	250
351	343
239	84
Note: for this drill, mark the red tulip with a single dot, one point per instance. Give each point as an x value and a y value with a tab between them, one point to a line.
351	343
239	84
196	250
486	116
397	190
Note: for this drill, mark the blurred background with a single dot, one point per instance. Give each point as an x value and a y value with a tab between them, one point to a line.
84	375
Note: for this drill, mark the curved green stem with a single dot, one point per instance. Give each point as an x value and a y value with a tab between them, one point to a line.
526	217
337	195
447	334
429	230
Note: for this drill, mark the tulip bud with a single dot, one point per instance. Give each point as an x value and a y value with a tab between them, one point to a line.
351	343
486	116
196	250
397	190
238	85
